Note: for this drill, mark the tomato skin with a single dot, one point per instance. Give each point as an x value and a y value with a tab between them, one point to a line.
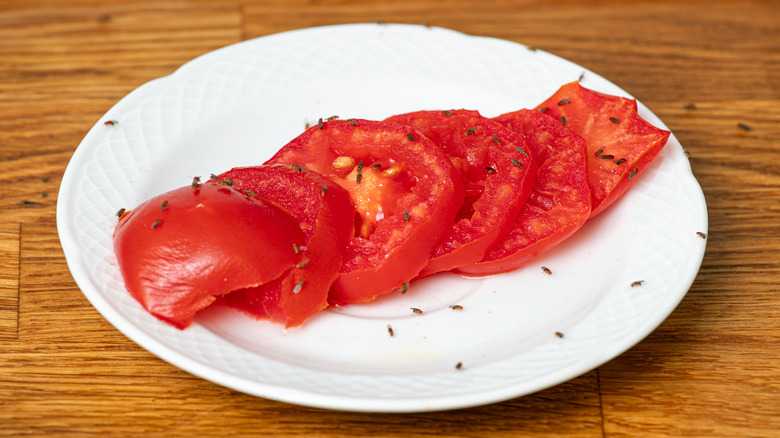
179	249
399	246
559	204
497	176
610	127
325	213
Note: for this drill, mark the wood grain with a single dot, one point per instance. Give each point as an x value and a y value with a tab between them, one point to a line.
708	69
63	67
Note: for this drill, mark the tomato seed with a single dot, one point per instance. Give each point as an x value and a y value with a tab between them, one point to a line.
343	162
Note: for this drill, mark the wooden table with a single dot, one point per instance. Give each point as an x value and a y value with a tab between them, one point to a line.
710	70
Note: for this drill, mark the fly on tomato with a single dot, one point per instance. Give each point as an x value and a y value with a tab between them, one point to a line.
405	190
559	203
178	250
498	172
620	143
325	214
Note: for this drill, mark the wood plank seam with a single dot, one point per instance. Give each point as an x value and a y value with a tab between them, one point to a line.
601	403
10	272
18	276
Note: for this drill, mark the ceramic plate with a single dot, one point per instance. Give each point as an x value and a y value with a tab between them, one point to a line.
237	105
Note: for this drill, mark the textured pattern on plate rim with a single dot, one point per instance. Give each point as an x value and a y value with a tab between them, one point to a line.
109	164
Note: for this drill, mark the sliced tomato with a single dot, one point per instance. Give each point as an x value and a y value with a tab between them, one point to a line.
405	190
498	174
325	213
559	203
620	143
178	250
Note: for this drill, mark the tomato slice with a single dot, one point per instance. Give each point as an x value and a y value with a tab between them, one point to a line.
559	203
405	190
178	250
325	213
498	174
620	143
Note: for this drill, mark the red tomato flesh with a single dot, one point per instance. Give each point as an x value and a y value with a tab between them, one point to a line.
559	203
498	174
406	192
620	143
325	213
178	250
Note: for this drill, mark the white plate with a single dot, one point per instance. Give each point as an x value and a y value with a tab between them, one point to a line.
237	105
